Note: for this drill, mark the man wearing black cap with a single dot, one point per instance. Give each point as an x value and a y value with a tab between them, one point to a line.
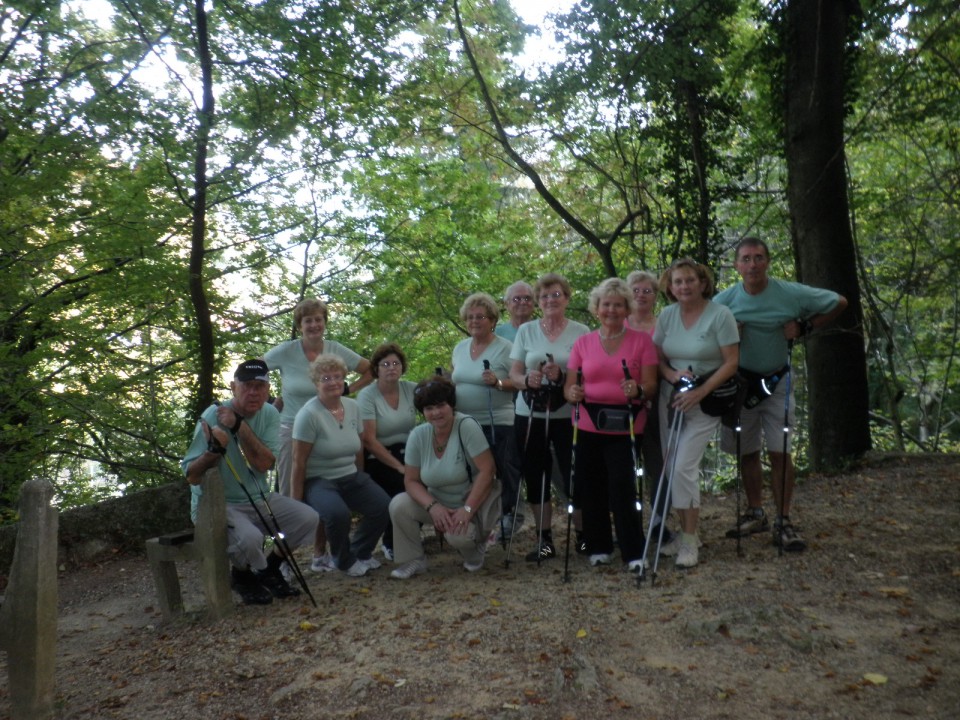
241	436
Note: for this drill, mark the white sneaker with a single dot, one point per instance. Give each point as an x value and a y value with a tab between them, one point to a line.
387	553
635	566
671	548
688	556
473	567
322	563
409	569
358	569
371	562
600	559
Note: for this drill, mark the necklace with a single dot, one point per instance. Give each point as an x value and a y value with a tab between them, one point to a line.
337	415
477	348
615	335
556	331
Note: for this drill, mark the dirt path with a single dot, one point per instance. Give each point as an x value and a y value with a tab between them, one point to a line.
865	624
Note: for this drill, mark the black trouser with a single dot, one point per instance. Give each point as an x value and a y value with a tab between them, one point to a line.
503	443
536	458
389	479
605	482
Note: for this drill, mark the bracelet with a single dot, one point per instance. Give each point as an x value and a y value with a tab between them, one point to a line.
236	426
499	384
427	508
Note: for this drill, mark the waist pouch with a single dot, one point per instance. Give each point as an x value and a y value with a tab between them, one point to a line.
760	387
546	397
611	418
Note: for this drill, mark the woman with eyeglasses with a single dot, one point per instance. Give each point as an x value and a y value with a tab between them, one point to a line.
448	483
388	415
481	372
519	301
539	356
328	470
644	286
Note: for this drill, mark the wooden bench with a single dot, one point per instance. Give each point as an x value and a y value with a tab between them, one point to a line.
206	543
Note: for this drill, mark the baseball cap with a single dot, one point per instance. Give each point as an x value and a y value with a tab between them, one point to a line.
252	370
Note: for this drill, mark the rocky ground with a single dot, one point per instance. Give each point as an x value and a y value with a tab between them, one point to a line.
865	624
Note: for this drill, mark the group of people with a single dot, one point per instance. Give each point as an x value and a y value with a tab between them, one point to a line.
540	402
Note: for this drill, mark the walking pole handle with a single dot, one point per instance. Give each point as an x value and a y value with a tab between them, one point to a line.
486	364
626	370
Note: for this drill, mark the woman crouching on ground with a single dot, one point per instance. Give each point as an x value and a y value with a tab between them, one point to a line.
448	480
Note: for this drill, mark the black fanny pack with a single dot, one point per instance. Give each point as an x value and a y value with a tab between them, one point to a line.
546	397
723	399
611	418
760	387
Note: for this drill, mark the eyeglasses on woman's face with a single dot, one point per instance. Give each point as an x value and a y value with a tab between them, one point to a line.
336	378
517	299
390	363
555	295
476	318
637	290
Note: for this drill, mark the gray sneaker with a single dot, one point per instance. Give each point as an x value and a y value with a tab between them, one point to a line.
754	520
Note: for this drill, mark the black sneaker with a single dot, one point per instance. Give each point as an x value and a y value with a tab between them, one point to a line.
754	520
276	583
788	535
249	587
543	551
580	545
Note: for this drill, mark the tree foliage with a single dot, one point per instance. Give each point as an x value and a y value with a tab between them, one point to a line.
392	157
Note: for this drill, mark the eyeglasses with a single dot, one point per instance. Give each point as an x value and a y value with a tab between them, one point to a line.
517	299
472	318
556	295
331	379
643	291
390	363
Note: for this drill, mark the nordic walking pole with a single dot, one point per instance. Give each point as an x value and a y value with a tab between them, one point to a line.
548	466
786	433
637	472
737	430
513	530
278	539
669	461
493	443
573	469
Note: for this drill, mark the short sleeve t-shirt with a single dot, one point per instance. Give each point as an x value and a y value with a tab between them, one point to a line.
393	426
474	398
763	348
335	445
296	385
531	348
699	346
446	476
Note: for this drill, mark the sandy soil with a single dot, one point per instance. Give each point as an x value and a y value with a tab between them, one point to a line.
865	624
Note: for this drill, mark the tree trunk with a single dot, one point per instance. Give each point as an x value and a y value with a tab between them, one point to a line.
823	243
198	294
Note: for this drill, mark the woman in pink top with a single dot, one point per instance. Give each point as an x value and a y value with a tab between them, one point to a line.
604	477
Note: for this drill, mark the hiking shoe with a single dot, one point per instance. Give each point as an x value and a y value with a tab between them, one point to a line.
792	542
387	553
358	569
600	559
543	551
754	520
249	588
581	544
273	580
670	549
688	555
409	569
322	563
371	562
474	566
638	566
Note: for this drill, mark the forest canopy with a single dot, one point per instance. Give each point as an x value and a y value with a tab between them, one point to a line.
175	177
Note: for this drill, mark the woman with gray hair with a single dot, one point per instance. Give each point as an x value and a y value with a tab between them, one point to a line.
327	469
612	418
481	372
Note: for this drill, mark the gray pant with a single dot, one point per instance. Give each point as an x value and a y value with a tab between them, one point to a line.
245	531
407	516
335	500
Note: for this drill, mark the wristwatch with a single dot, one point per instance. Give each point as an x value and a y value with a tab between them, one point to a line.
468	509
